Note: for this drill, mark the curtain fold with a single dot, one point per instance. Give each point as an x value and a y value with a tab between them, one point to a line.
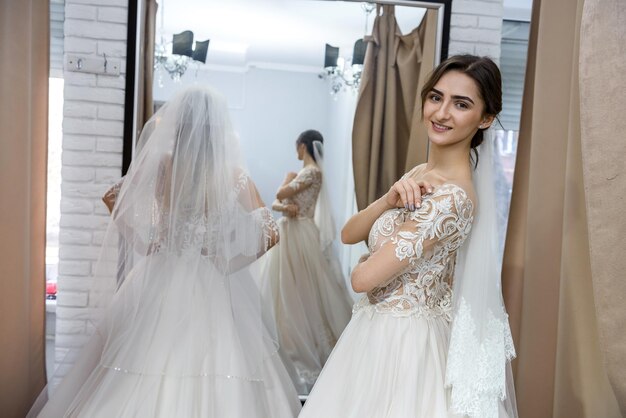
603	126
547	281
24	61
388	137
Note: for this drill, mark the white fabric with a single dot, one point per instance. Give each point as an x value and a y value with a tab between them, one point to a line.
481	346
323	212
178	323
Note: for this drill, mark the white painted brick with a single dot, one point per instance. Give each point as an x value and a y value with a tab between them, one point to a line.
72	299
115	49
98	236
123	3
74	268
105	144
80	110
80	11
92	127
64	312
100	209
108	175
83	190
456	47
79	252
81	174
464	21
492	51
70	326
113	14
95	30
60	353
87	222
111	112
71	341
73	283
112	81
73	78
488	22
94	94
475	35
79	45
76	206
68	236
90	159
78	142
478	8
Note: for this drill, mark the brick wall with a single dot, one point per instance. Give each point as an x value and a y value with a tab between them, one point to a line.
93	116
476	27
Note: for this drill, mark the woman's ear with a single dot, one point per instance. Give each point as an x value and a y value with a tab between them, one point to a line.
486	122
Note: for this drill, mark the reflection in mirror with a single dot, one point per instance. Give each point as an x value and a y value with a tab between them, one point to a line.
271	61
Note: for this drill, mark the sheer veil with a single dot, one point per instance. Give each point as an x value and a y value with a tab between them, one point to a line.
481	347
171	293
323	212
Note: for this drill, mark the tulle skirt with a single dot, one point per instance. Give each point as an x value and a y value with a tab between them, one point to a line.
384	366
178	340
309	298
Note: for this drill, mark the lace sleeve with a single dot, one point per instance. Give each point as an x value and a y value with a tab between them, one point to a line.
405	238
305	179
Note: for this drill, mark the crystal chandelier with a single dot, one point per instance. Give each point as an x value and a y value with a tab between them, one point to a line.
345	74
175	57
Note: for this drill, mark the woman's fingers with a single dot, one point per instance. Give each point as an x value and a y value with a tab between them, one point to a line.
403	193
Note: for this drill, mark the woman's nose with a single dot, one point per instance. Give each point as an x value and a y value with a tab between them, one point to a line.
443	112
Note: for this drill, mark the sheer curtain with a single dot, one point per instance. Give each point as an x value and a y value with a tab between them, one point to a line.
24	56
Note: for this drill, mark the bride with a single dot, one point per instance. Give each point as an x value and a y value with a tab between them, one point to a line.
179	329
302	279
430	339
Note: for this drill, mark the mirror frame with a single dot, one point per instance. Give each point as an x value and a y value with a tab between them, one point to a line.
134	53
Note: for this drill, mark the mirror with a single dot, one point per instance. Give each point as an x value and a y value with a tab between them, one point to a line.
268	59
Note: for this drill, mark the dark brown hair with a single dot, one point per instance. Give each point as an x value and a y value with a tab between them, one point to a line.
307	138
488	80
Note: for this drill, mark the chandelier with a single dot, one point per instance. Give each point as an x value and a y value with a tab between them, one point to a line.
175	57
345	74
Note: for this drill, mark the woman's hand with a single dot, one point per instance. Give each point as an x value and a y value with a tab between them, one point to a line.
407	193
291	210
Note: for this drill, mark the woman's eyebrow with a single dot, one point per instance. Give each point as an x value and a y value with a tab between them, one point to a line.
454	97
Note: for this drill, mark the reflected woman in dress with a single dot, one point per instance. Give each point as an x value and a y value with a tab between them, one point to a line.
178	318
430	338
301	279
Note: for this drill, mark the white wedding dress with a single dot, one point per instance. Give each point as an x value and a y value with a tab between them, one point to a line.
179	329
305	287
390	361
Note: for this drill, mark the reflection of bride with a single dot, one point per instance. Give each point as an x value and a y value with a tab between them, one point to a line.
183	334
301	278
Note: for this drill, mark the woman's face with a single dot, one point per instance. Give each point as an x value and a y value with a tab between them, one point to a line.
453	110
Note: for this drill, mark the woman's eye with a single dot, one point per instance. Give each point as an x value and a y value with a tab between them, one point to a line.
462	105
435	97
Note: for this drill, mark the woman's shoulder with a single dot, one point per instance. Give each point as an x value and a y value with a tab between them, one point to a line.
462	191
414	171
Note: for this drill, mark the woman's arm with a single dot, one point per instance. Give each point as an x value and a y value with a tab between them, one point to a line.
288	209
406	193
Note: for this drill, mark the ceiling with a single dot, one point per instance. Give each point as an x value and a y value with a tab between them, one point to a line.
289	33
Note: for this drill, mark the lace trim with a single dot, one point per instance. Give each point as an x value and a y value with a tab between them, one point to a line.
476	370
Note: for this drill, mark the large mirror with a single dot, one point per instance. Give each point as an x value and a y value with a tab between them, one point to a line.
285	67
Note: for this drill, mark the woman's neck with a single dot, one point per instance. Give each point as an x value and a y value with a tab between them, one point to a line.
450	161
307	160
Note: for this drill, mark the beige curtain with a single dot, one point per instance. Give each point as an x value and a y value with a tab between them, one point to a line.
603	134
388	137
24	58
547	273
145	73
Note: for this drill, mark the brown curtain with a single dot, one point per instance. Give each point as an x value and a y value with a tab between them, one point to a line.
547	273
146	34
603	130
388	137
24	58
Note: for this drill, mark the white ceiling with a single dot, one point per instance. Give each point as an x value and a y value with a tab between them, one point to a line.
274	32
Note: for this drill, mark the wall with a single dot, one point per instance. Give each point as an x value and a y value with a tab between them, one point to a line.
476	27
91	159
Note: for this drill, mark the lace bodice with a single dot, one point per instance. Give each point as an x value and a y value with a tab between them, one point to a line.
307	184
425	243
